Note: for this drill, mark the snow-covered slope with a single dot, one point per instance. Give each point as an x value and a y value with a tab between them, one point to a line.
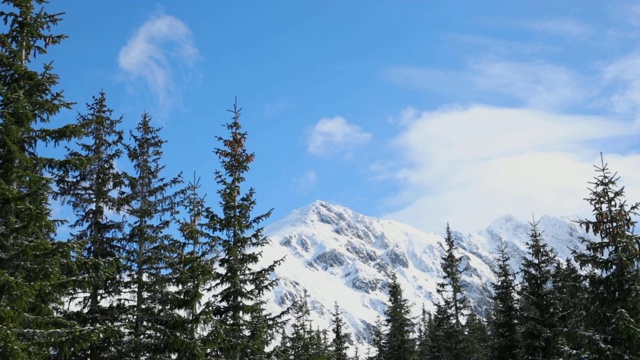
334	254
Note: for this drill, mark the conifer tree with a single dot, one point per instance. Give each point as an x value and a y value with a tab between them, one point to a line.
151	208
246	326
478	341
537	308
339	342
30	258
611	262
398	343
304	342
570	295
448	332
423	344
503	320
92	189
194	329
378	340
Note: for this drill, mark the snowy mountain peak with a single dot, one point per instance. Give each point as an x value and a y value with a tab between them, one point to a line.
334	254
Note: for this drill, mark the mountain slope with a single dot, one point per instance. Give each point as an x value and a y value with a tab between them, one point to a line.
334	254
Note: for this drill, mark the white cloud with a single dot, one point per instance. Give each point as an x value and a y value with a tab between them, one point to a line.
537	84
623	75
158	46
471	165
331	136
564	27
307	182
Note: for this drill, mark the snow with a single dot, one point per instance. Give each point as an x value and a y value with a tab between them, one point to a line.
337	255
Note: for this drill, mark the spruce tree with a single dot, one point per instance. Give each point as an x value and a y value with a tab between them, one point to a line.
503	320
423	344
191	274
151	208
478	340
92	189
398	342
31	282
246	326
611	264
340	338
538	308
448	335
304	342
570	295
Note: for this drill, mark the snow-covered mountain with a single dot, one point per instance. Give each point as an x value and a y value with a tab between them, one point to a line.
334	254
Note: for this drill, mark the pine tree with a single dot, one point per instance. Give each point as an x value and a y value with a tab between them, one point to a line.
611	263
448	335
398	342
378	340
570	295
538	310
151	208
92	189
195	332
423	343
247	327
478	341
31	283
339	342
503	320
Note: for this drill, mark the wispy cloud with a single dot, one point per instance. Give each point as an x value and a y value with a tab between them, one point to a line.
537	84
306	183
566	27
472	164
623	78
335	135
160	45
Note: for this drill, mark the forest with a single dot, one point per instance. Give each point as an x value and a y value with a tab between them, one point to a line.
150	270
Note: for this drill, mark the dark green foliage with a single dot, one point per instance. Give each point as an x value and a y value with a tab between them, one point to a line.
570	295
247	328
340	339
611	263
447	336
92	188
304	342
423	344
398	341
378	340
148	248
478	340
503	319
191	274
538	308
30	260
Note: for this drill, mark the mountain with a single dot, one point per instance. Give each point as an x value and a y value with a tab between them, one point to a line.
333	254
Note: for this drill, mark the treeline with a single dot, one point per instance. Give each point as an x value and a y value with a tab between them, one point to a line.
586	307
150	270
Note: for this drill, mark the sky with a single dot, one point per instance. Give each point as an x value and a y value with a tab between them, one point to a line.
426	112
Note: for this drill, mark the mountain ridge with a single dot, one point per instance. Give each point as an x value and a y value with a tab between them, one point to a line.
334	254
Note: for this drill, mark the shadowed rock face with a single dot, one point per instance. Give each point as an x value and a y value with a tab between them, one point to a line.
334	254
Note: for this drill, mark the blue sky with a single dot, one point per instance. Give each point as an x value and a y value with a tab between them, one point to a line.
421	111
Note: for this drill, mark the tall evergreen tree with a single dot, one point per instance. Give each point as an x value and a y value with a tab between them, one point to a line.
151	207
478	340
503	320
191	275
538	308
92	189
570	295
340	338
30	258
611	262
247	327
448	334
398	343
423	344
